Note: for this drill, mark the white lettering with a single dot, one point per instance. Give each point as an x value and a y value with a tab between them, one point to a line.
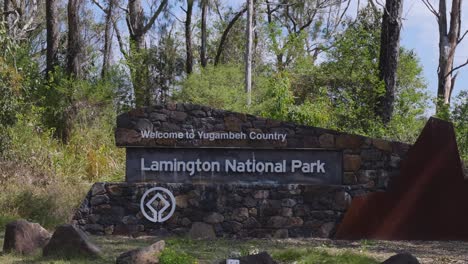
295	164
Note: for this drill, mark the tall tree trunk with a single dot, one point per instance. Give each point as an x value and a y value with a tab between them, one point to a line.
137	31
389	54
107	51
448	41
74	50
188	38
204	36
248	52
226	31
6	14
136	25
52	36
449	38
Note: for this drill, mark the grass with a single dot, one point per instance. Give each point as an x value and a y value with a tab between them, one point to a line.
184	251
320	256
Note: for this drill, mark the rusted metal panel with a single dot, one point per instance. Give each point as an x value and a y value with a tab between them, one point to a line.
427	201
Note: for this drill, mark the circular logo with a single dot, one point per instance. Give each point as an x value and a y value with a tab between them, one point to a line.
155	204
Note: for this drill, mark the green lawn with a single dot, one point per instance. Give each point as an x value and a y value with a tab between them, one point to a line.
181	251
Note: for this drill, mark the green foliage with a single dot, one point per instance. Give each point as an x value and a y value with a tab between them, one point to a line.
49	205
10	85
170	256
460	120
218	87
278	98
48	179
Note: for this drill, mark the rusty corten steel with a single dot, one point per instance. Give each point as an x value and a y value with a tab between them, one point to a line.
427	201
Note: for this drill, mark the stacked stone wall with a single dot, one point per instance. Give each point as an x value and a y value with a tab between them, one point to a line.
233	209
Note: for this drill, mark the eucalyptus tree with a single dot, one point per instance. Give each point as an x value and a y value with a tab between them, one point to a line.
74	42
389	54
302	28
450	36
21	18
188	37
52	35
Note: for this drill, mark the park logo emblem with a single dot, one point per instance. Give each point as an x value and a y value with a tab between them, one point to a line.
155	203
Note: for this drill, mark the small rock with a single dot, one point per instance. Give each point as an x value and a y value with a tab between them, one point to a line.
395	161
99	199
251	222
351	162
342	200
109	230
326	229
23	237
202	230
288	203
186	221
277	221
349	178
146	255
232	124
402	258
214	218
253	211
260	258
295	221
348	141
182	201
69	241
98	188
144	124
286	211
382	144
158	117
261	194
327	141
178	116
129	220
240	214
281	233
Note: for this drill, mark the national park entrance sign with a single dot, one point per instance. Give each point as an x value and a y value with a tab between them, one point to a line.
238	174
227	165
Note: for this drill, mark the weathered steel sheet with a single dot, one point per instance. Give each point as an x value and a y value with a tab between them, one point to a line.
427	201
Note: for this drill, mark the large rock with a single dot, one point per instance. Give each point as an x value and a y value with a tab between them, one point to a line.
201	230
69	241
146	255
23	237
260	258
402	258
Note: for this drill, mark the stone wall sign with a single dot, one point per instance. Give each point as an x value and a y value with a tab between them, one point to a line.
186	143
221	165
239	175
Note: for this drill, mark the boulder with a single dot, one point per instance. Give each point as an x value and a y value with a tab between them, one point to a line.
23	237
201	230
146	255
402	258
69	241
214	218
260	258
